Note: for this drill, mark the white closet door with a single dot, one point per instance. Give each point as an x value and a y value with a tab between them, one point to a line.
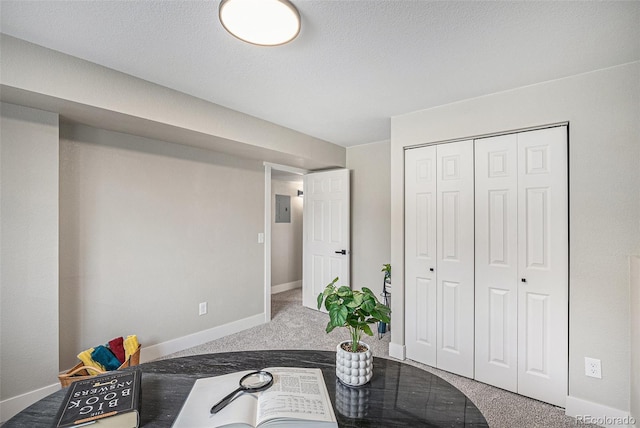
496	257
543	264
455	257
522	263
420	254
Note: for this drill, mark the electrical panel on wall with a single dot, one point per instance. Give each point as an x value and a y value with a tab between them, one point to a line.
283	209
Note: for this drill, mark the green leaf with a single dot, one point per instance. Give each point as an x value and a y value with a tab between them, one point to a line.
367	330
338	315
353	322
368	305
379	316
354	302
359	298
368	291
320	299
384	309
381	313
330	327
332	300
345	291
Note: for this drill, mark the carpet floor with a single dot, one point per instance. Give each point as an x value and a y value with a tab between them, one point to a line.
293	326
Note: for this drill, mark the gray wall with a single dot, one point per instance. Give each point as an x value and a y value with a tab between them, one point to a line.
370	213
29	249
84	92
148	230
286	238
603	111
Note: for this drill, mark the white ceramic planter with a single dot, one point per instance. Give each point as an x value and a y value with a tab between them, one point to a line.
354	368
352	402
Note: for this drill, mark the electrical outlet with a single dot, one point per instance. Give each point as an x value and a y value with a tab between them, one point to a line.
202	309
592	367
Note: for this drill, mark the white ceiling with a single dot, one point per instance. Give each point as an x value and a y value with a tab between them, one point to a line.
355	63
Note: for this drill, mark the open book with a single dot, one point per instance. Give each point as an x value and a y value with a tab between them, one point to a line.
297	398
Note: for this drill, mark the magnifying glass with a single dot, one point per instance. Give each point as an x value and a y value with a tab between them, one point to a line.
251	382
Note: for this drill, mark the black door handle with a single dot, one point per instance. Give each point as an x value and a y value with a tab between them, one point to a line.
343	252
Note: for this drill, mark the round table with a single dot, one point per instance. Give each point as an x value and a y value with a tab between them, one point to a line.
399	395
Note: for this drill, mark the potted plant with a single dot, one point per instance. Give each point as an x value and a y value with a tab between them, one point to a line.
355	310
386	268
386	295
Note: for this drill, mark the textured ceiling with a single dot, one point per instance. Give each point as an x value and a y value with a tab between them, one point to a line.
355	63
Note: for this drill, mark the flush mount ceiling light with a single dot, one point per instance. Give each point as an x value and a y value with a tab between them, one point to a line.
260	22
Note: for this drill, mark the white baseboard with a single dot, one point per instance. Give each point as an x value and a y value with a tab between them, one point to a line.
14	405
286	286
159	350
397	351
599	414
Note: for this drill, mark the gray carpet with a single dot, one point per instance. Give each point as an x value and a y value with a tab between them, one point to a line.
296	327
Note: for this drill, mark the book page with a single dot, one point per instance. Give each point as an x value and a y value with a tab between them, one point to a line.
297	393
196	411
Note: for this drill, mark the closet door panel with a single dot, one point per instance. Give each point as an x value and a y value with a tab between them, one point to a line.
496	261
455	273
420	254
450	322
424	297
543	264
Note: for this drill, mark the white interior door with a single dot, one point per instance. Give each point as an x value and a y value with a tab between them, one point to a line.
420	254
543	253
326	232
496	160
455	258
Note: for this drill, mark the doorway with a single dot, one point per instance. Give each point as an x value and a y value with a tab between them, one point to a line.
283	231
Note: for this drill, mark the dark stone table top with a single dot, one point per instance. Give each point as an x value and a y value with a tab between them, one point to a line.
399	395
